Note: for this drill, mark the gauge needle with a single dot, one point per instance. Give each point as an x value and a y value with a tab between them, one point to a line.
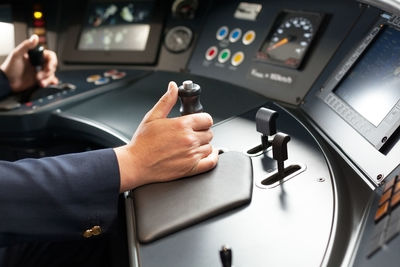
278	44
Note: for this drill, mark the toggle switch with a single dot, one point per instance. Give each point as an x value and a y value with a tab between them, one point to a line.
225	254
280	151
266	125
189	95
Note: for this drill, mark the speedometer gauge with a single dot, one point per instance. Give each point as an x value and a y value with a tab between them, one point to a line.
290	38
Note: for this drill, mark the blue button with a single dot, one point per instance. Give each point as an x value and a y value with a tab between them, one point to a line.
235	35
222	33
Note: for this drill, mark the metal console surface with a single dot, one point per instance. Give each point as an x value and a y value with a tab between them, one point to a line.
286	224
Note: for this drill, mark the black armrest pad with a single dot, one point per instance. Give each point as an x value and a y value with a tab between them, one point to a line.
164	208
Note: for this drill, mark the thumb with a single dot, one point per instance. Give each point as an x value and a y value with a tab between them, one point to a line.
26	45
163	107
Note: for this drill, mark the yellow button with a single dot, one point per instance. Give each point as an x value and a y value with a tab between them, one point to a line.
237	58
88	233
96	230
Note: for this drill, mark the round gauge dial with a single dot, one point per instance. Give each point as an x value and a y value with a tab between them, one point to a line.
289	41
178	39
184	9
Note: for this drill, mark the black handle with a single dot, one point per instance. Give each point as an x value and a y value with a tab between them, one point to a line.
189	94
36	57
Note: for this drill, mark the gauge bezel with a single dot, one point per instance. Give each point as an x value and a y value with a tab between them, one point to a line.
169	35
315	19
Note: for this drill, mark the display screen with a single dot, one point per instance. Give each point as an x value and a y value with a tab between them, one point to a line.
116	26
6	29
372	86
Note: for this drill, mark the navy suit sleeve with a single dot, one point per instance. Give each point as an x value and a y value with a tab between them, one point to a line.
59	197
5	88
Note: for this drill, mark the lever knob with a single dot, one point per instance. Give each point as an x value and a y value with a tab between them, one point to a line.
226	256
280	152
279	146
36	57
266	121
189	94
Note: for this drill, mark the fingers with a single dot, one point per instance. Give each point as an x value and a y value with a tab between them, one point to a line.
206	163
163	107
26	45
204	137
48	81
50	61
47	76
200	121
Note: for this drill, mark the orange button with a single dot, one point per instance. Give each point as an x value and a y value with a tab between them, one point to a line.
249	37
397	187
395	200
385	196
388	185
382	211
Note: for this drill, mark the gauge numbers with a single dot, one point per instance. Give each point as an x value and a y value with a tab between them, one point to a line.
290	38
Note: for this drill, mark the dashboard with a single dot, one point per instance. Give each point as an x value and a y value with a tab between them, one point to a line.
329	69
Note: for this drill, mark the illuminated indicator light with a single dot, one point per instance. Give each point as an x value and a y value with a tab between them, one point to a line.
249	37
237	58
224	55
211	52
38	23
37	15
39	31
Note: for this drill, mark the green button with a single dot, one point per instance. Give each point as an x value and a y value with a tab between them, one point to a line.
224	55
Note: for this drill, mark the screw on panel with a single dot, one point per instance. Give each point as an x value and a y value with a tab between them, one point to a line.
321	179
379	177
384	139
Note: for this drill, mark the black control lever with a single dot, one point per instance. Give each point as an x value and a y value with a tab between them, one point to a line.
225	254
36	57
266	125
189	94
280	152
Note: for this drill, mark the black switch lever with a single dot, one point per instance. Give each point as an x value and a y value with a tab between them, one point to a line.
266	125
280	152
36	57
226	256
189	94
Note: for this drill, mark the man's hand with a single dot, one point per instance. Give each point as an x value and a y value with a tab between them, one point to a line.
164	149
21	74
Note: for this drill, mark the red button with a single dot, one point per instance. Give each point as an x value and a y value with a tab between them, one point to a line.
211	52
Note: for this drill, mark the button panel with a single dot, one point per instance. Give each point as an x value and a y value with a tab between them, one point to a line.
64	90
223	49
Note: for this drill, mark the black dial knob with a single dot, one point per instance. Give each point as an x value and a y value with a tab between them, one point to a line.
189	94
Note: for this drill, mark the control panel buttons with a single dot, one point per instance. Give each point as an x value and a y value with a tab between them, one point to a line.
110	73
235	35
224	55
249	37
211	53
93	78
118	75
101	81
222	33
237	58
